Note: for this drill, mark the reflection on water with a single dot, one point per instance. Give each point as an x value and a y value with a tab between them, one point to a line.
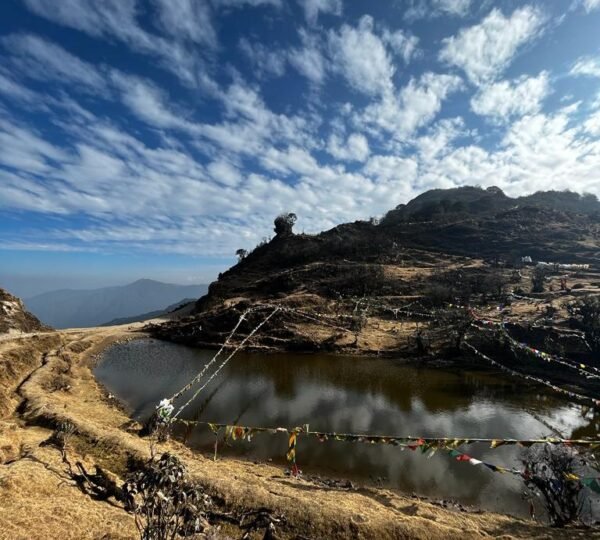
358	395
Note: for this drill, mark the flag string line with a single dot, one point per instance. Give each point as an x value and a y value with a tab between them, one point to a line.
595	402
451	442
213	359
425	445
580	367
222	365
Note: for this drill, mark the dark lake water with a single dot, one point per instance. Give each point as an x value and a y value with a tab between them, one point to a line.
358	395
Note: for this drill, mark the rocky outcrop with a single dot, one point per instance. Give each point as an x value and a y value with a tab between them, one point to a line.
14	318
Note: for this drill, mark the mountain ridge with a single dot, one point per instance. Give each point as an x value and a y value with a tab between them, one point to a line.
72	308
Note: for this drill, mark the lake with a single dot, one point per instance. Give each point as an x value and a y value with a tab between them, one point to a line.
355	395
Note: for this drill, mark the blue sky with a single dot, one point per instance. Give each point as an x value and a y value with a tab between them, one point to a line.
153	139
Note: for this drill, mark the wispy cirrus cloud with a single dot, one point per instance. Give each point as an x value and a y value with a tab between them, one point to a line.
586	66
312	8
118	20
421	9
40	59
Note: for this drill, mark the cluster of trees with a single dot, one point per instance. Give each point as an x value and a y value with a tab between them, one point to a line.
284	223
463	286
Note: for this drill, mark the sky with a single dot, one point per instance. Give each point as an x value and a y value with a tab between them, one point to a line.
155	138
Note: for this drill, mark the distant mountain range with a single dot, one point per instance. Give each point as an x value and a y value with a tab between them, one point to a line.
72	308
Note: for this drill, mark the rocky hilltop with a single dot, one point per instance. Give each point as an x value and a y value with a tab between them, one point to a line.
15	318
414	282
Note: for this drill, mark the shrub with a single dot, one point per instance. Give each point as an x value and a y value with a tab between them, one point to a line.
587	314
165	503
548	469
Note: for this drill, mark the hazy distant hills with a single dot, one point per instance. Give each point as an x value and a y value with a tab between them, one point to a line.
71	308
177	306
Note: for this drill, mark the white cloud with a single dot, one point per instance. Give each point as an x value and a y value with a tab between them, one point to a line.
435	8
438	140
41	59
145	100
225	173
307	59
401	43
592	124
586	66
312	8
264	59
117	19
591	5
27	150
483	51
354	148
361	57
11	88
187	19
390	168
414	106
242	3
506	99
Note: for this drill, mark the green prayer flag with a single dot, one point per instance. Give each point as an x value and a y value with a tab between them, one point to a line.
592	483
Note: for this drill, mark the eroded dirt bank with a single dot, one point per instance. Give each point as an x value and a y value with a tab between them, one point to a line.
46	379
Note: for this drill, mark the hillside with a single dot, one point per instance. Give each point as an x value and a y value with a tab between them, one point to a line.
178	308
14	317
400	286
71	308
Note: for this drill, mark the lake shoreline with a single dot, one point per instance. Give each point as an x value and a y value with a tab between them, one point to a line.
104	436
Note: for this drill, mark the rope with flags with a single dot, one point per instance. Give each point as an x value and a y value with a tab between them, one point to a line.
212	360
573	395
426	445
247	432
222	365
501	326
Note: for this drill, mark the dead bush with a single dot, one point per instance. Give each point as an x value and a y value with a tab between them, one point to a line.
551	476
165	503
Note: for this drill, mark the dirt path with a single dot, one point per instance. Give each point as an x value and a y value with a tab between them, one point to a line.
46	379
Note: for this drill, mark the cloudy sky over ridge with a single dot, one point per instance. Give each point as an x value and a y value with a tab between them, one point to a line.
153	139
